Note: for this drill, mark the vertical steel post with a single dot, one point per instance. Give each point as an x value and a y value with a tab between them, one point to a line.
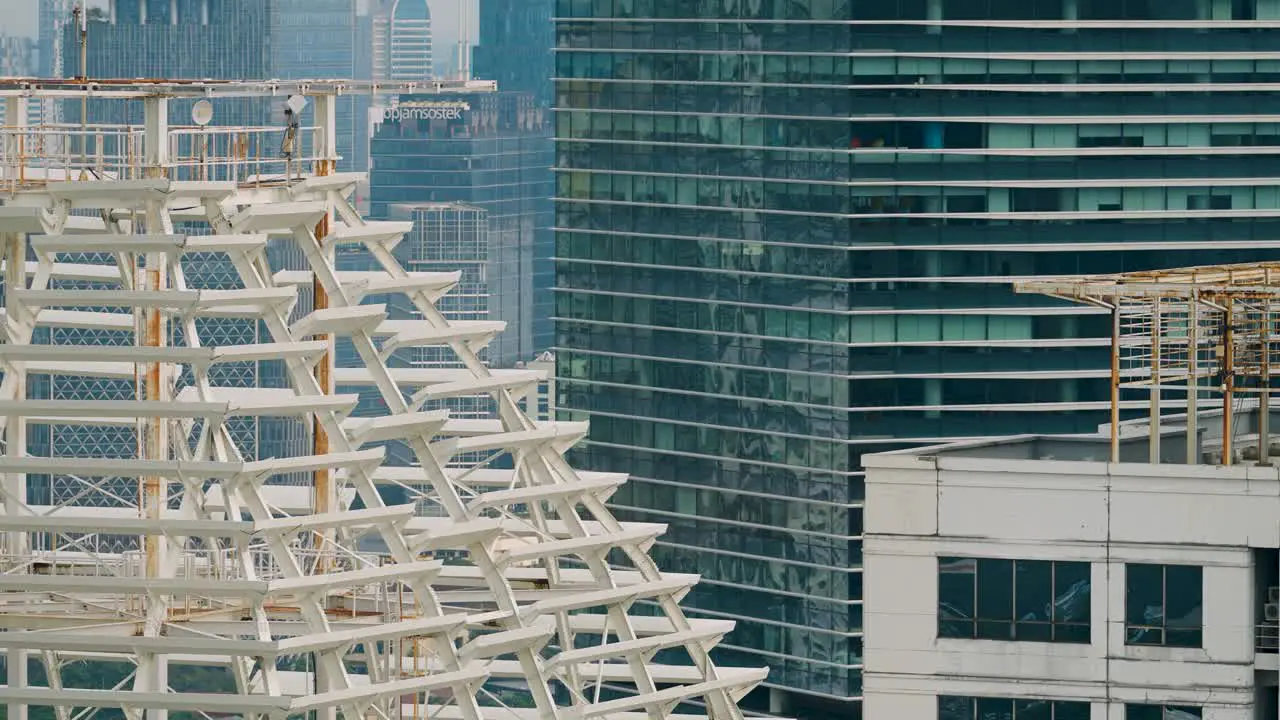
16	113
1154	414
1266	328
1193	377
1115	380
325	146
15	436
1228	381
153	437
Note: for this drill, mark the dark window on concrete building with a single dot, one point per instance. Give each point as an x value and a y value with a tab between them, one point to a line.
1023	600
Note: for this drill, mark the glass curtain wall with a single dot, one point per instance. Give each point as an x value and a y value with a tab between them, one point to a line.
786	231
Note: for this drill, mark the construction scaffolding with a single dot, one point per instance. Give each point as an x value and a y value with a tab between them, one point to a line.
1203	333
486	593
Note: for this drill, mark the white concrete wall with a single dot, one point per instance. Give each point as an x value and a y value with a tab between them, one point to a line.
919	509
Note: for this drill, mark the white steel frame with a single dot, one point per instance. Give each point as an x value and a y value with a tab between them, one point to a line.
233	571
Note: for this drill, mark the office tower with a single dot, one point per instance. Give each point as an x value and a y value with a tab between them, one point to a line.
517	43
492	152
52	15
785	233
259	39
18	58
363	66
401	40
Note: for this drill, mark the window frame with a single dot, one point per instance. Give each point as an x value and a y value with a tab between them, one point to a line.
980	707
1075	632
1190	711
1134	632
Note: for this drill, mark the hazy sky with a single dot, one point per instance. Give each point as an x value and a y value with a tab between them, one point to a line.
18	17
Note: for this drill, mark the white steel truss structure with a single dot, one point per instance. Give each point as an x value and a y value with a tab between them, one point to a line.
493	593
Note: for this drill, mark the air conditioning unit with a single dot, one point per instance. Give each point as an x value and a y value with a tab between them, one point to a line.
1271	612
1273	594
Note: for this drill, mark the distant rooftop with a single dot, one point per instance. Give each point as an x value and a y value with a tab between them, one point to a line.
1134	442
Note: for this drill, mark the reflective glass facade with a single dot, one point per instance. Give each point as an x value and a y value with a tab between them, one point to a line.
981	708
517	40
785	235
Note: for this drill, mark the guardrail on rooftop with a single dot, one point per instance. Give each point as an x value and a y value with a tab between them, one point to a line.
31	156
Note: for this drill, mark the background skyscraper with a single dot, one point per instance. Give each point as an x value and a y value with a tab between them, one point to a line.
248	39
495	155
516	42
786	233
401	40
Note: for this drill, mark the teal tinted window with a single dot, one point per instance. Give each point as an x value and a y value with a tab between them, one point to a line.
1161	712
1023	600
1163	605
952	707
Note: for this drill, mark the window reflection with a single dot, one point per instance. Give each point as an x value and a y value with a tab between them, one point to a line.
1163	605
1023	600
952	707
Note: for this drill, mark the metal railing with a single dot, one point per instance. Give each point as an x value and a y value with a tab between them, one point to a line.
34	155
31	156
245	155
1267	638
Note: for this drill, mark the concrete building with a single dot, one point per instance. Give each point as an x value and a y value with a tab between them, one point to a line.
1127	574
1009	578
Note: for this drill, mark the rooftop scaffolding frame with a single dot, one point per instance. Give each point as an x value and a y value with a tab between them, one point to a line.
1212	330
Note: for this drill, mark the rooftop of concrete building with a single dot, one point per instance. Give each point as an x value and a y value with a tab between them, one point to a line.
1134	444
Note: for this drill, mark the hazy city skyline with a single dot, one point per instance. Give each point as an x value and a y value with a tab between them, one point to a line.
20	18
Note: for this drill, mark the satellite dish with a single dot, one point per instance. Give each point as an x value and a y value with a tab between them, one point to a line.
296	103
202	113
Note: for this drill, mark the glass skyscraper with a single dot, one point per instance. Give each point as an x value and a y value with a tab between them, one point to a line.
517	43
495	155
401	42
786	233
